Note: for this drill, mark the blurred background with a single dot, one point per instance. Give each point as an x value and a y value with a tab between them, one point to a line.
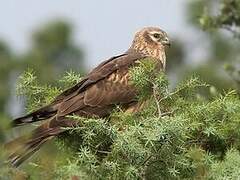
52	37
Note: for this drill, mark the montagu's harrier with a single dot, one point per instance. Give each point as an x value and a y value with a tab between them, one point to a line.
95	95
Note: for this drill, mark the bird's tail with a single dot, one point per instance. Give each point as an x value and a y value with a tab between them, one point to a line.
25	146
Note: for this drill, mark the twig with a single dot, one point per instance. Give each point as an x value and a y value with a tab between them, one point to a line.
104	152
167	113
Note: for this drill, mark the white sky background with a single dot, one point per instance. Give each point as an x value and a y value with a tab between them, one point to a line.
102	27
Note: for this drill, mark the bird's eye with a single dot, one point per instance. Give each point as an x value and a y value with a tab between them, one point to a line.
156	35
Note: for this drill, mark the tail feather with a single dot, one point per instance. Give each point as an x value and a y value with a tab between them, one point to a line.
25	146
18	158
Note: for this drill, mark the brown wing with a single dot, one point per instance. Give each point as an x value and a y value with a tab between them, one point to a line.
105	87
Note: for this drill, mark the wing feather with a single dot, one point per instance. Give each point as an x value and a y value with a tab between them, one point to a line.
105	85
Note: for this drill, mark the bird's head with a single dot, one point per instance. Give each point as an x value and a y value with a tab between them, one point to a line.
151	41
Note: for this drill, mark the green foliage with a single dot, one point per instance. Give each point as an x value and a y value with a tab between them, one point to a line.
228	17
189	137
36	94
216	14
69	79
144	77
229	168
223	52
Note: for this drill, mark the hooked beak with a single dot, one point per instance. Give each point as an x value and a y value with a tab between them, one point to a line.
166	42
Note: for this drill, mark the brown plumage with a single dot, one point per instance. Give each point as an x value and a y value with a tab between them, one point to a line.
95	96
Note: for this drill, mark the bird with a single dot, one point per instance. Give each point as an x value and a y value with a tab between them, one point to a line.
95	96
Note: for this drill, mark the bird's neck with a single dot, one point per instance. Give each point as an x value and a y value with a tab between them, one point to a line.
156	53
